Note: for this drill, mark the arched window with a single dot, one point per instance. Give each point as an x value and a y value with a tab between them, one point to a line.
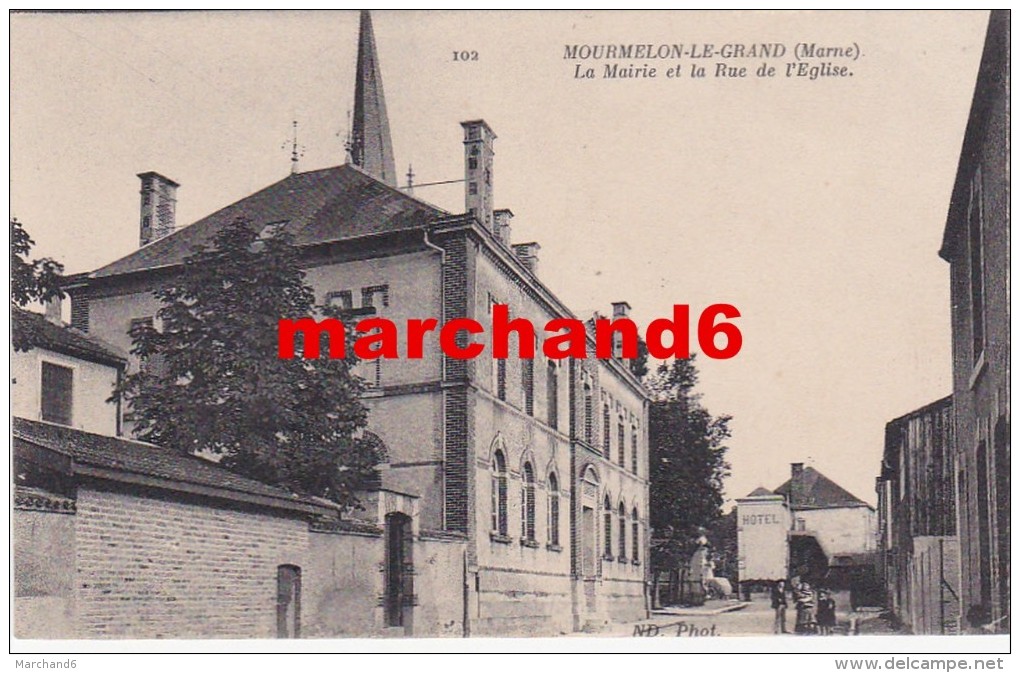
633	451
636	536
622	513
589	522
554	510
499	523
528	504
606	429
621	445
607	529
589	411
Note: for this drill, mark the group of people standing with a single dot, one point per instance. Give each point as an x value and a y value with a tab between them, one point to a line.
815	614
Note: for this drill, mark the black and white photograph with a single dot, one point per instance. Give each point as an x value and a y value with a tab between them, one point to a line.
674	331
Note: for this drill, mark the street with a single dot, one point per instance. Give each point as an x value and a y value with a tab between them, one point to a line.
752	619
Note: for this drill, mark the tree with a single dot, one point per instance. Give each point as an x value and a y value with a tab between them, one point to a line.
211	381
639	365
688	464
31	281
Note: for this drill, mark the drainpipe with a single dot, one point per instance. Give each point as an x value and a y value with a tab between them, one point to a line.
442	367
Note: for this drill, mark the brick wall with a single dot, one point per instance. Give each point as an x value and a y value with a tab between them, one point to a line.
456	280
121	565
154	568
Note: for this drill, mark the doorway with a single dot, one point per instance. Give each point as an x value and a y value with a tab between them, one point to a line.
288	602
399	570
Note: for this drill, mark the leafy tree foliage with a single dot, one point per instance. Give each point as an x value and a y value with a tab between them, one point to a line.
211	381
31	281
723	538
688	463
639	365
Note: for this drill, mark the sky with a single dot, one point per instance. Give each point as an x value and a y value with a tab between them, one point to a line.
816	207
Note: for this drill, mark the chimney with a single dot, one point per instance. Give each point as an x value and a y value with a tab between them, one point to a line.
54	310
159	207
621	309
478	138
796	484
502	219
528	254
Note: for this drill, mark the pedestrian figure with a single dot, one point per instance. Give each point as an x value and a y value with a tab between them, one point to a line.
805	598
826	612
779	605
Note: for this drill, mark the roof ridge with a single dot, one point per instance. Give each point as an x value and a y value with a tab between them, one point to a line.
180	453
324	205
396	190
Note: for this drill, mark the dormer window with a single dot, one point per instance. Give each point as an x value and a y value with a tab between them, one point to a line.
271	230
342	300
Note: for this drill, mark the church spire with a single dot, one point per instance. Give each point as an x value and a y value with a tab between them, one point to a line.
371	146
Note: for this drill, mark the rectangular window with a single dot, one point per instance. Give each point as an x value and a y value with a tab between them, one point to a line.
621	445
57	393
342	300
606	433
552	395
528	383
376	296
589	412
373	299
154	364
501	379
977	275
633	452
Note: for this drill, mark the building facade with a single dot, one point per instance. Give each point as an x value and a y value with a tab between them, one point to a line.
808	527
541	464
67	377
976	245
918	553
114	538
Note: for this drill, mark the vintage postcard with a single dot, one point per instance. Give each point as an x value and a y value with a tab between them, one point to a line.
670	329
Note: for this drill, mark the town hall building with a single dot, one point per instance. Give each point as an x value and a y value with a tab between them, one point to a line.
540	466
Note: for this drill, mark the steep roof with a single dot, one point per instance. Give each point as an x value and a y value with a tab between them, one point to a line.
323	206
41	333
760	491
166	468
820	492
992	84
371	146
